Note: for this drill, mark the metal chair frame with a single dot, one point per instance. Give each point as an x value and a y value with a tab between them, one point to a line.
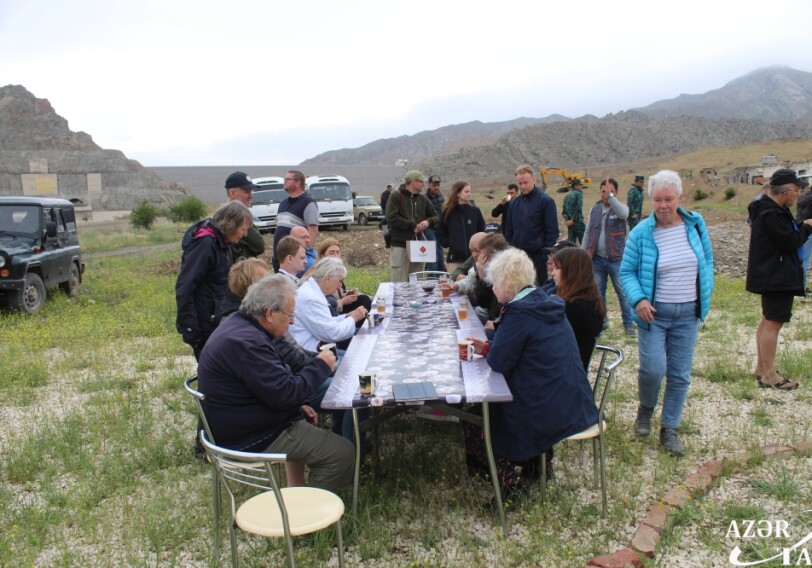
604	378
258	471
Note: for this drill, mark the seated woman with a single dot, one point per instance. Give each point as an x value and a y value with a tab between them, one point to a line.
314	325
575	284
343	300
535	349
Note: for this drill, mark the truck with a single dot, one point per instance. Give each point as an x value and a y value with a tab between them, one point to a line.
39	248
265	202
334	199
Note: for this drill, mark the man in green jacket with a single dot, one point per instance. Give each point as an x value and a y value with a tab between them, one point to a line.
573	212
634	200
408	213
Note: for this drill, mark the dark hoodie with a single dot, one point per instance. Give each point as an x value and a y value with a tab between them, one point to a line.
773	262
202	282
455	231
535	349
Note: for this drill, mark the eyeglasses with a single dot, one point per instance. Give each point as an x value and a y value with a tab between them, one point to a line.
290	179
290	316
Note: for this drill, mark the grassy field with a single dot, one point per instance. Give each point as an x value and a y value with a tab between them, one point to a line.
97	468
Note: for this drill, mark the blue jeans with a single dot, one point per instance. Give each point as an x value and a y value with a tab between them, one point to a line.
666	349
603	267
439	263
806	256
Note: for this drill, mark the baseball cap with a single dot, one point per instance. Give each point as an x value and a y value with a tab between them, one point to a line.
558	246
575	181
434	179
785	176
492	228
413	175
241	180
639	178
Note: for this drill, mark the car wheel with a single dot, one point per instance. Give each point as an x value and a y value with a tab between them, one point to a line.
71	285
31	298
362	219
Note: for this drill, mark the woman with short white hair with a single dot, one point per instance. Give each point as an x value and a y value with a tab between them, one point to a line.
535	349
314	325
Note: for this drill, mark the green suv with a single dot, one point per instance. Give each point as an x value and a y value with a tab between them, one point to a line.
39	248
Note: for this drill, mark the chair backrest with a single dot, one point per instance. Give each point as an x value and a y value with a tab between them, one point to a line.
190	384
427	275
606	374
247	468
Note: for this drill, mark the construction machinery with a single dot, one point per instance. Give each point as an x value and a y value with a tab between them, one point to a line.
566	177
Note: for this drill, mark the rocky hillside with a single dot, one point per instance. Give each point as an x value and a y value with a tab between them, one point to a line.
447	138
625	137
40	155
772	94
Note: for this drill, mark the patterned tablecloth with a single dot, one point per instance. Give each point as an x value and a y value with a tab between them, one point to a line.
416	341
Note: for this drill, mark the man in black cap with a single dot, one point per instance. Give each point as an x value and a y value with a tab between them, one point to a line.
774	268
634	200
436	197
240	187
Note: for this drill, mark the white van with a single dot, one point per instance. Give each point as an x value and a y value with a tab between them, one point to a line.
265	202
334	199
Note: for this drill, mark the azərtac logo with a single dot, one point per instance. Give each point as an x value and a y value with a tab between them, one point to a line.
796	555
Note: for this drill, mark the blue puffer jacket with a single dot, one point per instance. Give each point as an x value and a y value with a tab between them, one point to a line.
638	271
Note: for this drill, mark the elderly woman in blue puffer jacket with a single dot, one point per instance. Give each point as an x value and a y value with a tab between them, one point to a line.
667	276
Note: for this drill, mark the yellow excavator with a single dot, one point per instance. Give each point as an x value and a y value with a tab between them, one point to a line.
566	177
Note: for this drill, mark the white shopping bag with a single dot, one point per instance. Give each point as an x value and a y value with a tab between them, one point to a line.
422	251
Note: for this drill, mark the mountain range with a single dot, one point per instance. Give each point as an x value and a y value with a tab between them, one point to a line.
766	104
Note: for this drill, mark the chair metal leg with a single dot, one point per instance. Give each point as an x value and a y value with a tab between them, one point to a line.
357	474
486	428
233	538
216	511
289	546
594	463
543	476
603	470
340	545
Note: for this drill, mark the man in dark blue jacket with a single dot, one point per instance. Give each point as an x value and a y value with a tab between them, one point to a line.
532	223
255	403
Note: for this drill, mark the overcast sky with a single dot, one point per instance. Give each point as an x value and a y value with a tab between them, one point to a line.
278	81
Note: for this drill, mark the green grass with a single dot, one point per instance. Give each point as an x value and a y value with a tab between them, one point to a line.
94	240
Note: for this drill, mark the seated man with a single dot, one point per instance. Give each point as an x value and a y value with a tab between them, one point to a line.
255	403
464	269
303	235
291	254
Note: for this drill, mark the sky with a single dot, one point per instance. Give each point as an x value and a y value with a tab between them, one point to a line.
187	83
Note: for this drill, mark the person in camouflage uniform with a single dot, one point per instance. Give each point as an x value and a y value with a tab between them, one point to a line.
573	212
634	201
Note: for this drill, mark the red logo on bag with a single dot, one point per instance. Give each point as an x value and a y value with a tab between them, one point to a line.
422	250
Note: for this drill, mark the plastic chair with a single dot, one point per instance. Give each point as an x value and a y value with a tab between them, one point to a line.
415	277
274	512
199	397
600	393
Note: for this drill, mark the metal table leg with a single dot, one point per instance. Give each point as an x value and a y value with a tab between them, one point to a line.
486	428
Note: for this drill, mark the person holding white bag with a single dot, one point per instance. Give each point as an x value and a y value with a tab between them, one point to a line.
409	213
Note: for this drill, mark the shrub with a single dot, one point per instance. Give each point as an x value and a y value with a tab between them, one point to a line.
143	216
190	210
730	193
699	195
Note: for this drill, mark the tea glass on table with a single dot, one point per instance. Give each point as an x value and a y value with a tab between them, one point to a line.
463	308
381	305
445	287
366	380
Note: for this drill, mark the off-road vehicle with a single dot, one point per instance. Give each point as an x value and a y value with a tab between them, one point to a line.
39	248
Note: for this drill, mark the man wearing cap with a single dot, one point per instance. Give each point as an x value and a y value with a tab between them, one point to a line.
501	208
573	212
240	187
634	201
436	197
774	269
532	221
298	210
409	213
605	241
